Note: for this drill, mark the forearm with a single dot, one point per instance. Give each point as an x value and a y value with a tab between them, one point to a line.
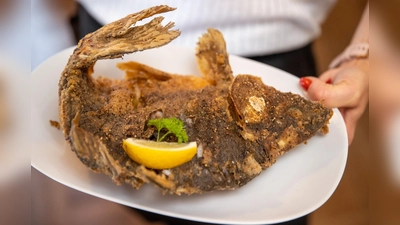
361	35
359	46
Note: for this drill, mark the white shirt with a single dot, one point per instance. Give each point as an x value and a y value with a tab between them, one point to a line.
250	27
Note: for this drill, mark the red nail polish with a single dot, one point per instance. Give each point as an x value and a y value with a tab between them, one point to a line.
305	83
329	81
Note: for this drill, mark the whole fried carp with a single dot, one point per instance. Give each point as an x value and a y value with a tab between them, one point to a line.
240	124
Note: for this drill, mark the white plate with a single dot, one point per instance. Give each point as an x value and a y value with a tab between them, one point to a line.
300	181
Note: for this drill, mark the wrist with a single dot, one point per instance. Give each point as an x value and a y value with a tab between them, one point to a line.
360	63
359	51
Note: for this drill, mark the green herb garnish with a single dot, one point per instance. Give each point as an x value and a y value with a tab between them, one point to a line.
173	125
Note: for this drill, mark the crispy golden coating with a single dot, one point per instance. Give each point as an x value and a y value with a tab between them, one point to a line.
241	124
212	58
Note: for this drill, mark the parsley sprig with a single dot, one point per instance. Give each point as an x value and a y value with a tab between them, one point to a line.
173	125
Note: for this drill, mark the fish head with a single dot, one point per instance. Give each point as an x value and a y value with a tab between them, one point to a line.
277	120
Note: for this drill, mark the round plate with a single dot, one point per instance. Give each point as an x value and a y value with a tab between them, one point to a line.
300	181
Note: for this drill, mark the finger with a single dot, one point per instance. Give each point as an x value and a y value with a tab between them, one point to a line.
328	75
351	117
350	124
333	96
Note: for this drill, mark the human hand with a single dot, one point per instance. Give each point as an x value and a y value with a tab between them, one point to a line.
345	87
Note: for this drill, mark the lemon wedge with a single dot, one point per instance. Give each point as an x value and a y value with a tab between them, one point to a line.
159	155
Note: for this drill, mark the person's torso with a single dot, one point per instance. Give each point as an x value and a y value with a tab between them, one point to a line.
250	27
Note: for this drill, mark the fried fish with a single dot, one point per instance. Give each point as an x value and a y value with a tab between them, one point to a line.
241	124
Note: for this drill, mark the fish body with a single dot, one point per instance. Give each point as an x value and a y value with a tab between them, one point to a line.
241	124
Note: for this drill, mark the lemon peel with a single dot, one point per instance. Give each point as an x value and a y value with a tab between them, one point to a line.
159	155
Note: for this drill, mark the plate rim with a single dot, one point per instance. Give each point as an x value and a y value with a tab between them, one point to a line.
35	74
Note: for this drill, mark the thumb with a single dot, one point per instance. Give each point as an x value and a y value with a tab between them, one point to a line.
333	95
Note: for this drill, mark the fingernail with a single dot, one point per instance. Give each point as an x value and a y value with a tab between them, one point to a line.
305	83
329	81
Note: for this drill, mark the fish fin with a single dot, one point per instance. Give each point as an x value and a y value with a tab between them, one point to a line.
212	58
135	70
122	36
